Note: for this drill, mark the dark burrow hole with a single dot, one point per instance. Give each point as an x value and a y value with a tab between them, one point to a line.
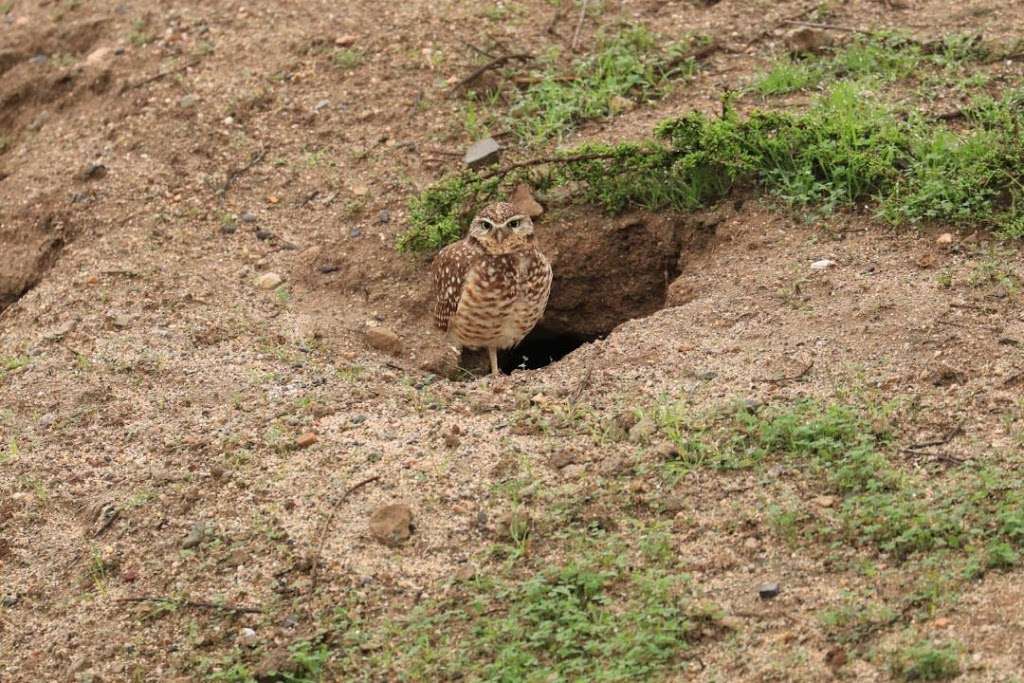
541	348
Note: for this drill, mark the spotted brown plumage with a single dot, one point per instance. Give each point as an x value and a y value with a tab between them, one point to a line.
491	287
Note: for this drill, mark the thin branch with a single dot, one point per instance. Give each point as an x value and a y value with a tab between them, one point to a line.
789	378
579	25
824	27
233	175
502	172
163	74
493	64
327	525
192	604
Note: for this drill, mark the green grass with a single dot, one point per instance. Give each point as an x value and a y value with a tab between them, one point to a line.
346	58
881	57
927	661
625	69
845	150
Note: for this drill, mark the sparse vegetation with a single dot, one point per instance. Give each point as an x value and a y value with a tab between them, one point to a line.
843	151
926	661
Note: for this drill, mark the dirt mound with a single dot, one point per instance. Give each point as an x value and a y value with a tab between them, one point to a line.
31	239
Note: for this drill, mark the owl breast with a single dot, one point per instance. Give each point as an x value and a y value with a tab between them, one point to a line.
502	299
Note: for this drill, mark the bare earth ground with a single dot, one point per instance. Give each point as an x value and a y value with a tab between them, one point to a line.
156	386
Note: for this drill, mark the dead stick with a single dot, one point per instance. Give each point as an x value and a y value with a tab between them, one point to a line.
790	378
194	604
163	74
493	64
579	24
824	27
327	525
238	172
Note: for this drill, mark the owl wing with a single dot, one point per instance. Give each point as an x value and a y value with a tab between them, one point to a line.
450	268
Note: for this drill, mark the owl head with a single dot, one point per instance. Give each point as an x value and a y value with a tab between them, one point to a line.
501	228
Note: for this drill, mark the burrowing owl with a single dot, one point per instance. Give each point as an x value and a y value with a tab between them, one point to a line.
492	286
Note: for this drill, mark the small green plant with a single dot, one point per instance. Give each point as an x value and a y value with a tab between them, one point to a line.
10	453
347	58
140	34
927	661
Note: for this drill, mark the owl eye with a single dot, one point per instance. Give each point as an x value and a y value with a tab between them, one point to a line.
486	224
514	223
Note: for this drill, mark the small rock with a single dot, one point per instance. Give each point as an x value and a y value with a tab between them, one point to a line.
38	59
612	466
513	526
482	153
355	232
824	501
946	375
752	544
392	524
328	268
263	235
767	591
39	121
236	558
807	39
359	190
944	239
626	419
187	101
47	420
9	600
465	573
196	536
666	450
228	228
561	459
642	430
247	636
98	56
451	440
346	40
92	171
620	105
247	217
836	657
574	471
942	622
269	281
384	339
121	321
384	217
673	504
322	104
522	199
119	51
823	264
306	440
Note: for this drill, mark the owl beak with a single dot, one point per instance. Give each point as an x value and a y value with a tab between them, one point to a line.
500	234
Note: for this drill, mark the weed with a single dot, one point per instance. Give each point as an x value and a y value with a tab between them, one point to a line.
845	150
346	58
10	453
140	34
926	661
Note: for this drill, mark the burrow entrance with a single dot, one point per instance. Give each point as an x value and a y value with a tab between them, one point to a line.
606	271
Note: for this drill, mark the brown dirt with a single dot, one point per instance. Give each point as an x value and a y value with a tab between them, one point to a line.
156	386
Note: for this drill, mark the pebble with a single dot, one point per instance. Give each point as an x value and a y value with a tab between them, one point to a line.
196	536
306	440
9	600
384	216
392	524
92	171
767	591
228	229
384	339
247	636
825	501
269	281
98	56
574	471
751	544
355	232
360	190
345	40
945	238
38	59
823	264
322	104
561	459
642	430
247	217
264	235
673	504
187	101
482	152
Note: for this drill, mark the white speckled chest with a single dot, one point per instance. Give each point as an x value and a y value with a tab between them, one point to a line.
502	299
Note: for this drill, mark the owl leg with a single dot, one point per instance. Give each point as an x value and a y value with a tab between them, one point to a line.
493	353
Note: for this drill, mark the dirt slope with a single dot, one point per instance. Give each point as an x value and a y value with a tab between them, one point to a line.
158	158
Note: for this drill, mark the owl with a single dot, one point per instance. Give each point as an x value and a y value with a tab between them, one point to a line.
491	287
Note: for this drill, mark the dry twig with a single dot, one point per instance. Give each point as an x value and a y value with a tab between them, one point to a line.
579	24
327	525
493	64
162	74
235	174
192	604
